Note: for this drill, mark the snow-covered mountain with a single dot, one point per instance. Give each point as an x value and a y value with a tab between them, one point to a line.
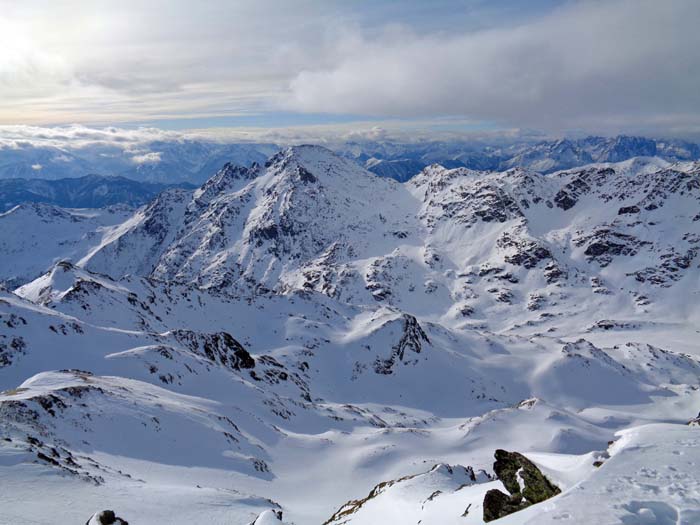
179	159
397	169
304	342
91	191
35	236
401	162
159	161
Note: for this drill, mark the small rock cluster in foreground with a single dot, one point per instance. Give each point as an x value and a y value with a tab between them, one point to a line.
106	517
525	482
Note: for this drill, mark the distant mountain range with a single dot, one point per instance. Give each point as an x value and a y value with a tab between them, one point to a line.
158	161
91	191
401	162
193	161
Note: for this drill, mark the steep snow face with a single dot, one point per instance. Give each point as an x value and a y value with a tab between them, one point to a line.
460	245
135	246
125	415
398	169
427	496
269	227
33	237
615	237
287	337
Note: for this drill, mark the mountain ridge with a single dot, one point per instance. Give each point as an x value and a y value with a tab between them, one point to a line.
308	331
90	191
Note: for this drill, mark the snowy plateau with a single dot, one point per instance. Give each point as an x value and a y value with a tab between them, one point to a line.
303	342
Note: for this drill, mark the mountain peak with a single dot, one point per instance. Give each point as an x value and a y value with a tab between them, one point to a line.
230	176
307	155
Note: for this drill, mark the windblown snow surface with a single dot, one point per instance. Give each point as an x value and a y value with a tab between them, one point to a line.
304	342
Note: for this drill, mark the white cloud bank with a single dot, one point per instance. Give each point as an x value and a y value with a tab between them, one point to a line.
152	157
137	143
78	136
592	64
601	66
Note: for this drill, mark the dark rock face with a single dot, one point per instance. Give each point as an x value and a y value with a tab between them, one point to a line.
496	205
106	517
669	270
11	348
695	422
597	249
305	175
530	256
412	340
497	505
220	348
537	486
564	201
413	336
525	482
604	244
626	210
581	185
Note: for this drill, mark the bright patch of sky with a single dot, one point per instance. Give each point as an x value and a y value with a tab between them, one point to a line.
553	65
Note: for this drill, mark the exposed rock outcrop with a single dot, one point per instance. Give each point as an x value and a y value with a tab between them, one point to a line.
269	517
106	517
412	340
523	480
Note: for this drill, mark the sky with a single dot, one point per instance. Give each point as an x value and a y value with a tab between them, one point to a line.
557	66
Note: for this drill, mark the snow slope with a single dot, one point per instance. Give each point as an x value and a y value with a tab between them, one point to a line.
34	236
646	476
289	336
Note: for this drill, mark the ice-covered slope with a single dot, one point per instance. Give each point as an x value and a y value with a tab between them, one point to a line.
303	331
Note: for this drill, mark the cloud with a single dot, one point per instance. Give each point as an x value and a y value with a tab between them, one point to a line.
152	157
78	136
591	64
144	145
600	66
112	62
